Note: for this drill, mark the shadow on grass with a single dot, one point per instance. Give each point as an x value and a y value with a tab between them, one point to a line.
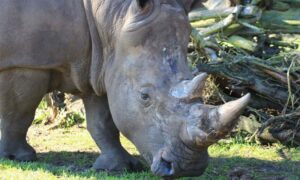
73	164
78	164
255	168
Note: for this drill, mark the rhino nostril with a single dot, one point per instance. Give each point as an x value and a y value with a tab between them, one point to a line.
167	165
163	168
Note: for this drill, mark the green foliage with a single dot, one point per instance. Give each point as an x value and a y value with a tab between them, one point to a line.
64	119
295	154
71	119
43	105
42	113
241	137
41	116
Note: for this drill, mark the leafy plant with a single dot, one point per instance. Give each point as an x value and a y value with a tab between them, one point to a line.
71	119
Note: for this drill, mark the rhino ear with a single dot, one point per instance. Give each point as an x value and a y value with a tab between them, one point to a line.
141	12
208	4
142	3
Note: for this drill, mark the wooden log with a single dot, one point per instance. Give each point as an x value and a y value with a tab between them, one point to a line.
203	23
291	1
221	25
243	43
201	14
252	126
278	20
280	6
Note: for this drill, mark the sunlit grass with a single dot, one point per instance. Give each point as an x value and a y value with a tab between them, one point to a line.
69	154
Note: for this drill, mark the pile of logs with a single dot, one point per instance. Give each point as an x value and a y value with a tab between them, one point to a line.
253	46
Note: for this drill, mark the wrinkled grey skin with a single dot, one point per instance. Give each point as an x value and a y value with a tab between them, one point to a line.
127	60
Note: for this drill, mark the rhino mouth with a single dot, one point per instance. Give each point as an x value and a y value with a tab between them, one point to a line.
177	162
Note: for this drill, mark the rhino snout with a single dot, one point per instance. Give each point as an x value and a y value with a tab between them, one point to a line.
178	162
208	124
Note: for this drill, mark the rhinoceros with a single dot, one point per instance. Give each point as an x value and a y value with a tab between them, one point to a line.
127	60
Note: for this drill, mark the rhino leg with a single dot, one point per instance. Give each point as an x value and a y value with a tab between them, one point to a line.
20	93
113	156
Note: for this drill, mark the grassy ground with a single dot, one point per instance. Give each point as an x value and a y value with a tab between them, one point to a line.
69	153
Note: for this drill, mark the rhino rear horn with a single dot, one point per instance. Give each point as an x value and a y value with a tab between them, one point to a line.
190	89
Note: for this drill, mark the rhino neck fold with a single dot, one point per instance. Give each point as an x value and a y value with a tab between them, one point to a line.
104	18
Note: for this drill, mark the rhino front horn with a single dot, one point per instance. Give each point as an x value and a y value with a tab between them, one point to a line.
231	111
190	89
212	123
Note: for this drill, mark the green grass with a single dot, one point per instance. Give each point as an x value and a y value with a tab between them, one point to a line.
69	154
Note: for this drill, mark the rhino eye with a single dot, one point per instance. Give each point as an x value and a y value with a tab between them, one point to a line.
145	99
145	96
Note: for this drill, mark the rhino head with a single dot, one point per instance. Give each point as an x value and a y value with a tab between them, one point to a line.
154	99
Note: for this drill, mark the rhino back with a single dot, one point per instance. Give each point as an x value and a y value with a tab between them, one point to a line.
43	33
